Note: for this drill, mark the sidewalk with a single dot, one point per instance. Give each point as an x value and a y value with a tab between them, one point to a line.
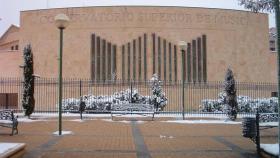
104	138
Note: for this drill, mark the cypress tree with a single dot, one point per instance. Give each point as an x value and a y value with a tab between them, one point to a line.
28	101
231	100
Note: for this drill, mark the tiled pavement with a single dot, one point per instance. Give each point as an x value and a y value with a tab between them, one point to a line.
99	138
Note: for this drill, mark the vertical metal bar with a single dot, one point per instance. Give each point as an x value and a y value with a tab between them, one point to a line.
7	101
159	58
258	133
123	62
194	59
170	62
103	70
93	57
164	59
114	62
189	67
145	57
199	63
134	59
204	56
109	62
183	84
277	16
154	52
175	62
60	82
98	52
140	58
130	91
80	85
128	61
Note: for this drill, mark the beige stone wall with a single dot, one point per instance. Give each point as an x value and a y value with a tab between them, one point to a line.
9	63
10	38
234	38
9	45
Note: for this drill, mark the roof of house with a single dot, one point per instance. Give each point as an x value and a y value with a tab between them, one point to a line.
11	29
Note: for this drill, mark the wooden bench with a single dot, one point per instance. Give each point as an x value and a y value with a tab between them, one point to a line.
132	109
8	120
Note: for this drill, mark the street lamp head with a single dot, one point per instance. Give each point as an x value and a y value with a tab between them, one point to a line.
61	21
182	45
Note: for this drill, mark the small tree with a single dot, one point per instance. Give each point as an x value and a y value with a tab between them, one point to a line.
230	100
28	101
158	99
258	5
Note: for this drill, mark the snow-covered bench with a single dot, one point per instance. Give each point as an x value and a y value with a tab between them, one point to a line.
8	120
268	120
253	126
132	109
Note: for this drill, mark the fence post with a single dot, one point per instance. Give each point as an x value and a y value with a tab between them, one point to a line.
258	132
80	88
183	83
130	91
7	100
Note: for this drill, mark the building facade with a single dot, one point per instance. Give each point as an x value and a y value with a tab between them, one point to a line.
129	42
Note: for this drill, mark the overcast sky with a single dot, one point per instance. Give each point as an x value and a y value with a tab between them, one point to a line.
10	9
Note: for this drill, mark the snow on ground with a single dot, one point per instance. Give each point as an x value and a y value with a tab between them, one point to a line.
63	132
271	148
77	120
166	137
5	121
27	120
269	124
123	121
5	147
203	122
178	115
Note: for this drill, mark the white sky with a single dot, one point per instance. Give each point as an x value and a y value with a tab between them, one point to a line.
10	9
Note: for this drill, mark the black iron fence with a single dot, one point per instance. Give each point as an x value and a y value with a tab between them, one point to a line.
192	98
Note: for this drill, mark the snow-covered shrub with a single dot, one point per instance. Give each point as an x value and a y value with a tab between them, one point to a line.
103	103
159	99
245	104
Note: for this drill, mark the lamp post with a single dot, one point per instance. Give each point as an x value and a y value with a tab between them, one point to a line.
61	22
277	17
183	47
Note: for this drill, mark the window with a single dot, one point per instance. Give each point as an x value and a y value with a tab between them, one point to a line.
12	48
16	47
274	94
272	45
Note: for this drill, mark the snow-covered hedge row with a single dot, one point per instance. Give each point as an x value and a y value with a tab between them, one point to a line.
103	103
245	104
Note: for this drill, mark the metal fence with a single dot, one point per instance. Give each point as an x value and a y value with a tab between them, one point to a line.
185	98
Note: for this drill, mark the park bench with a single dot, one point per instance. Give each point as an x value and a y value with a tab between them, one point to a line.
132	109
8	120
268	120
253	126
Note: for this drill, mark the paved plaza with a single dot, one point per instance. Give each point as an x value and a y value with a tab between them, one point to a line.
128	139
